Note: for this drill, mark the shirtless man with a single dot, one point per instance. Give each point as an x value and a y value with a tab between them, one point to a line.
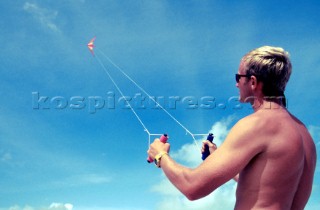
270	152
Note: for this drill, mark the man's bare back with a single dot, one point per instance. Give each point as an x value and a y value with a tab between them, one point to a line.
275	177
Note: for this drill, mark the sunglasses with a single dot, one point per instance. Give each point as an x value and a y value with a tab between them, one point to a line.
238	76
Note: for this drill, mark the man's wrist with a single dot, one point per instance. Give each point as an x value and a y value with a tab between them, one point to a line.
158	157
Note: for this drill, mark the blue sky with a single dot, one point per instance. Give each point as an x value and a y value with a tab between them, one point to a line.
59	154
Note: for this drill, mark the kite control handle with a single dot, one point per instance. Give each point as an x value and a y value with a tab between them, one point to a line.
163	139
206	152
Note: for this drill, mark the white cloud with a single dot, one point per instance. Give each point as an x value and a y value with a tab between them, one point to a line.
5	156
94	178
68	206
60	206
315	133
45	16
82	180
52	206
220	131
108	208
222	198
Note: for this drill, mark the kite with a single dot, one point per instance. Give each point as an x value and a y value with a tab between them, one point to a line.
91	45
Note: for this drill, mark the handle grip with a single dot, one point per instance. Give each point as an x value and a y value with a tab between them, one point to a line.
206	152
163	139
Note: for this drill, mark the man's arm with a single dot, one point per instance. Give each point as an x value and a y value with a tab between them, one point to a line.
221	166
213	147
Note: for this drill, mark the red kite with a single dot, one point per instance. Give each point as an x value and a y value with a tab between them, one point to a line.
91	45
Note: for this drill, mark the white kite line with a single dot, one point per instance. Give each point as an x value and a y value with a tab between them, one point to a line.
145	92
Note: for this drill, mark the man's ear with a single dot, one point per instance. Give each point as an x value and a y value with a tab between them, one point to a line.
255	84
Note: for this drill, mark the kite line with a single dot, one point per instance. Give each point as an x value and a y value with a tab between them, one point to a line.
91	47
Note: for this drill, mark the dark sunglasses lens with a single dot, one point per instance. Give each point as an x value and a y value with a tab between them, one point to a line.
237	78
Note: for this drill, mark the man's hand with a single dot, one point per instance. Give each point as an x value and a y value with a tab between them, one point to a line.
212	146
156	147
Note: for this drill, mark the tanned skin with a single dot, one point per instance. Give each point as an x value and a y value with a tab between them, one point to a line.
270	153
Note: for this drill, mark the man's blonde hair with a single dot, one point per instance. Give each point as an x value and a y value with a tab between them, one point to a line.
271	66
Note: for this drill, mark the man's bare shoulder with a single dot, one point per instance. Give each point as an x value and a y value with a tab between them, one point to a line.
255	122
268	120
267	128
245	132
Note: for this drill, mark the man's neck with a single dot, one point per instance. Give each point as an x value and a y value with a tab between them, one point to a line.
267	104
